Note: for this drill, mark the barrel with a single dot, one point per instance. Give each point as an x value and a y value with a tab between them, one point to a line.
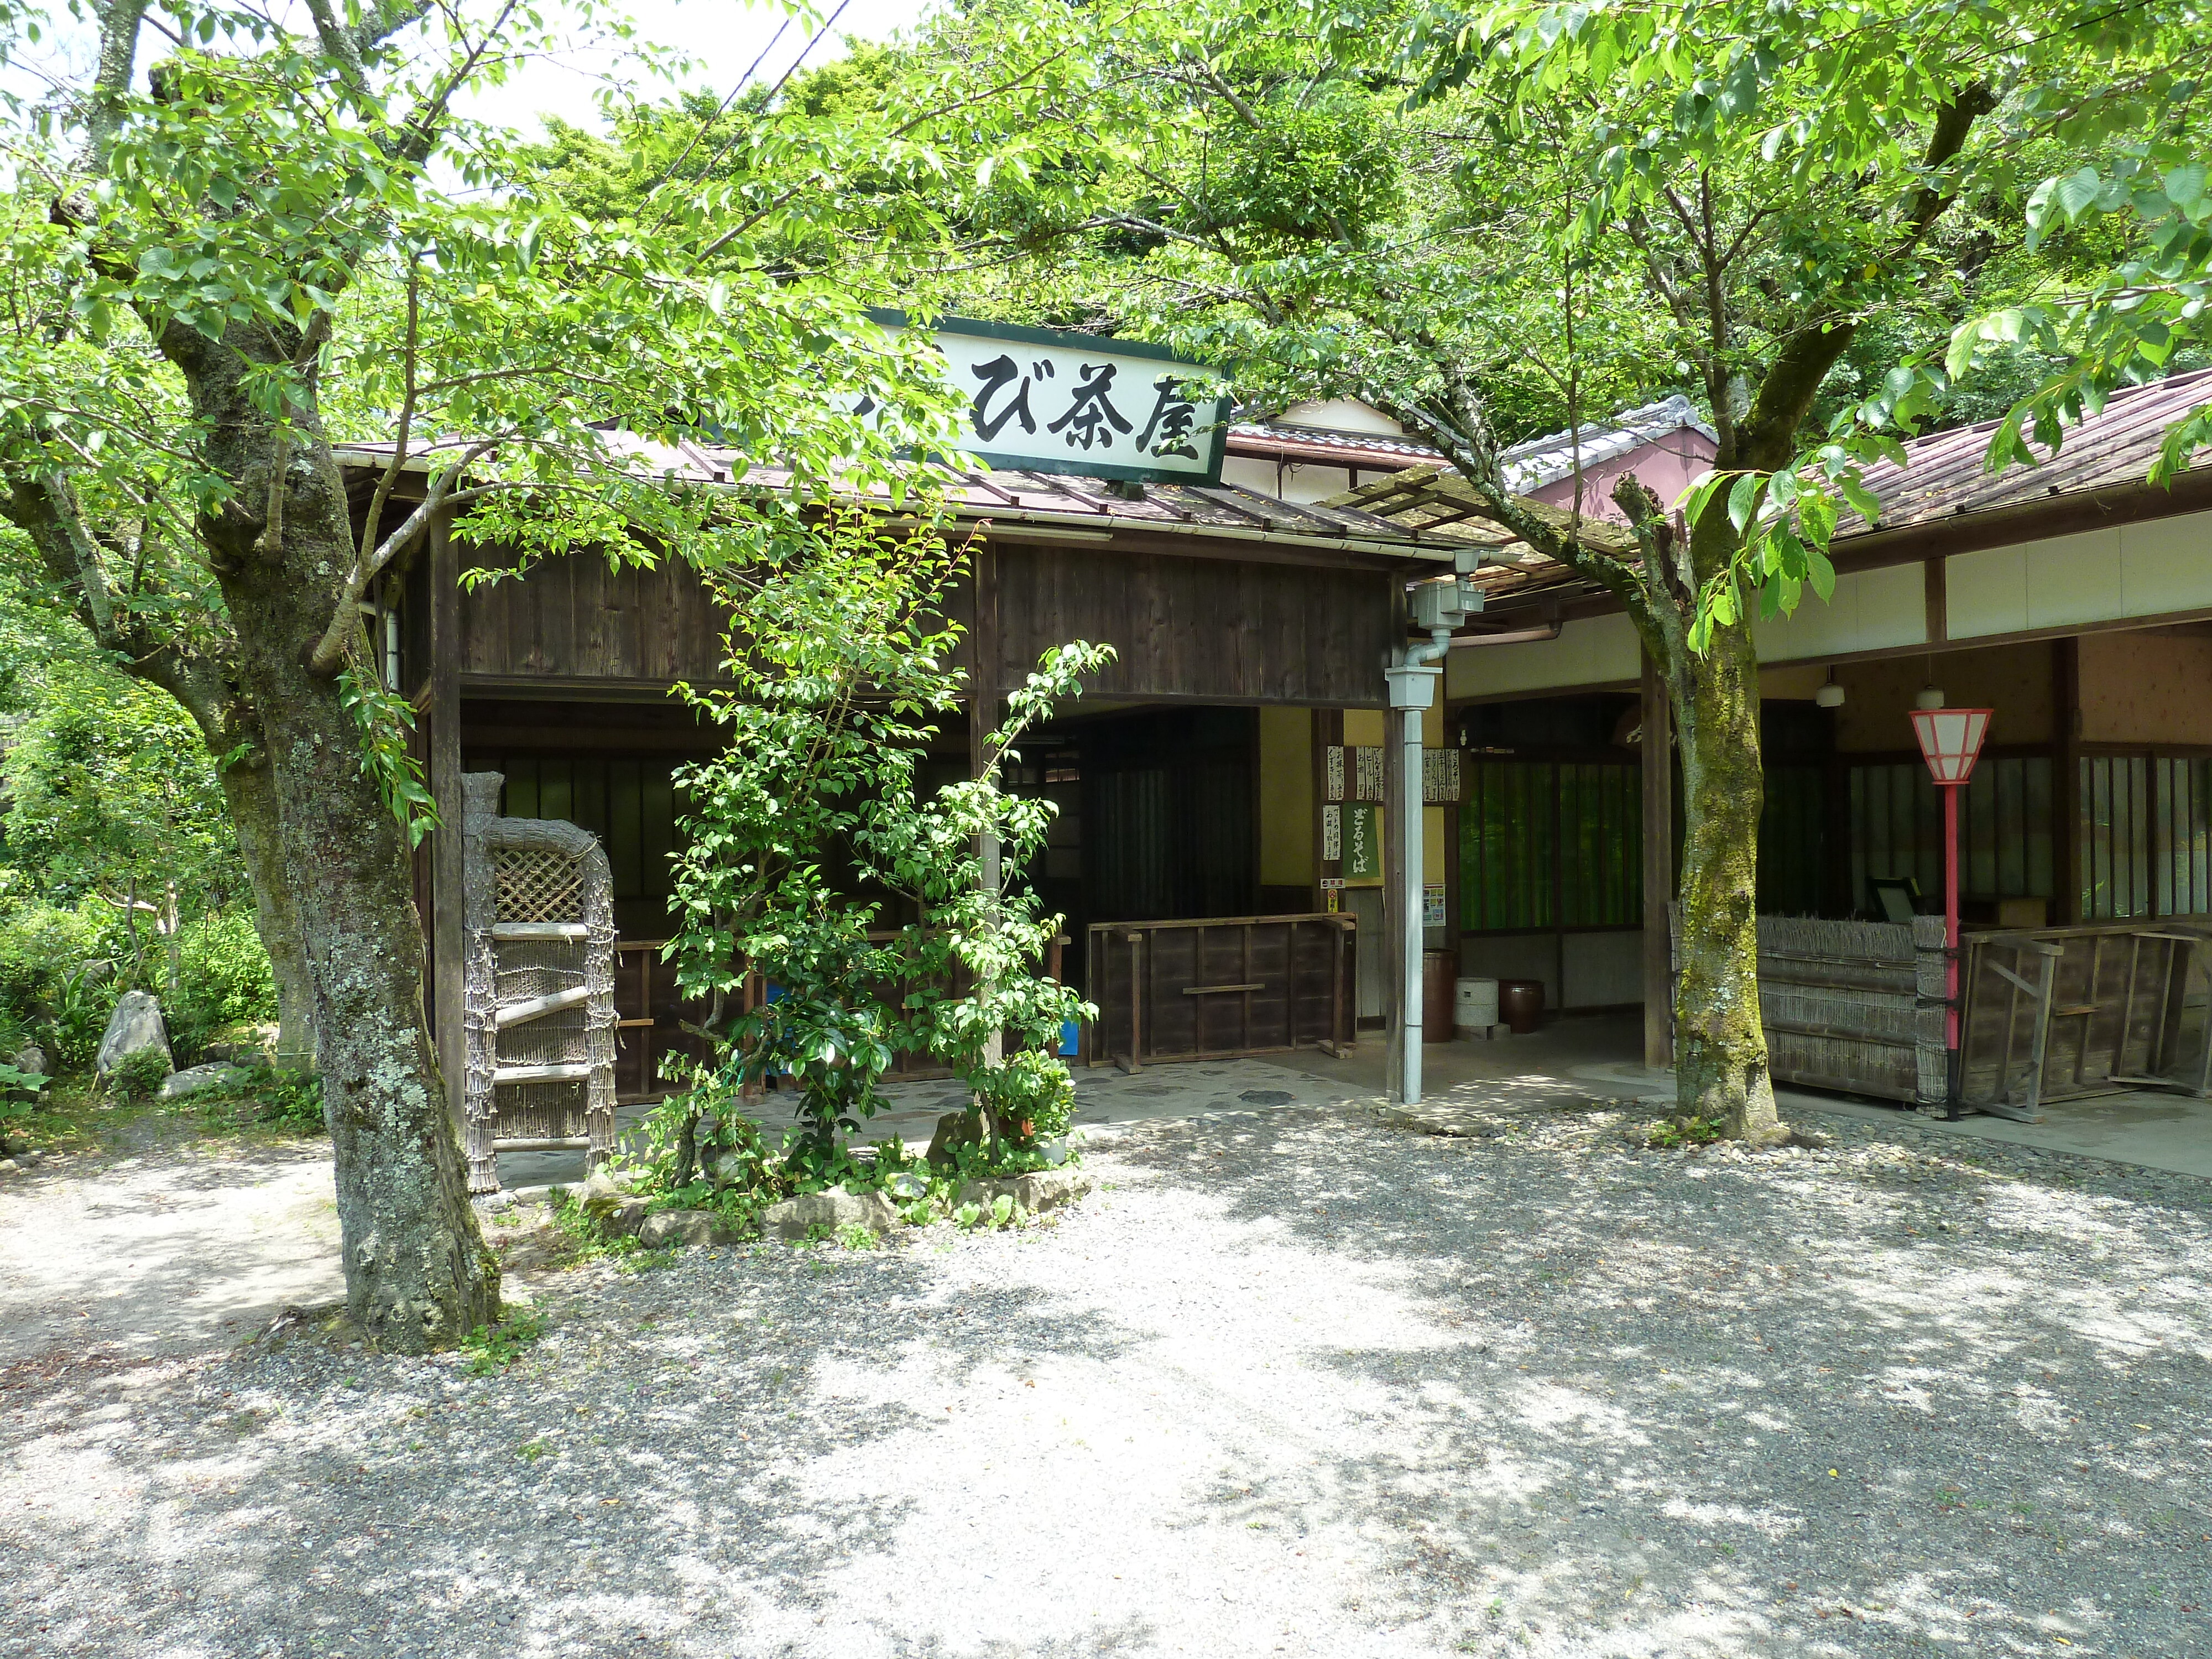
1522	1002
1476	1008
1438	967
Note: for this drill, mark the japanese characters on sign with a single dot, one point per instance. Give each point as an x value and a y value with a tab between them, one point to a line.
1047	401
1363	842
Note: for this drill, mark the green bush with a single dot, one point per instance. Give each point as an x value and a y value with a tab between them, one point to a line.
41	946
224	980
271	1097
139	1077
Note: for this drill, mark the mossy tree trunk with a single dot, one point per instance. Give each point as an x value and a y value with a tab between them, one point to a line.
249	789
1720	1046
417	1274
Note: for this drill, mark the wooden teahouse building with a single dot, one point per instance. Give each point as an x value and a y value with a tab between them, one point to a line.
1233	766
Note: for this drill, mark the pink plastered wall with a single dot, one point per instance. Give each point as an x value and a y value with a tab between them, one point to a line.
1666	468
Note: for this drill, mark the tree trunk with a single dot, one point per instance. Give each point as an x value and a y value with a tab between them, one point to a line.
418	1274
249	788
1720	1046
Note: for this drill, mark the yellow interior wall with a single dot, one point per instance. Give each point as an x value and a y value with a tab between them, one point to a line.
1368	728
2150	686
2014	680
1286	798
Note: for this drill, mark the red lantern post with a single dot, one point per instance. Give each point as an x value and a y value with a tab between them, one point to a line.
1950	741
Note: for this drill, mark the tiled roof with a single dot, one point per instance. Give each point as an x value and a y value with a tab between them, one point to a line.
1282	440
1943	477
1540	461
1942	480
1005	496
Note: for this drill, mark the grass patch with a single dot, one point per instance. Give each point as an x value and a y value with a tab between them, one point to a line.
1673	1134
495	1347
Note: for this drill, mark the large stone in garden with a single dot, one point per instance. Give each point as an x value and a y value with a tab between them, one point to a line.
193	1078
31	1060
604	1191
664	1228
955	1129
835	1211
135	1024
1046	1189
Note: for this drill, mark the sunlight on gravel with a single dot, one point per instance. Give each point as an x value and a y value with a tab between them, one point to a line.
1289	1382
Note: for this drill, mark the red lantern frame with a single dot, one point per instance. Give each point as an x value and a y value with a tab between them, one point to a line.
1950	742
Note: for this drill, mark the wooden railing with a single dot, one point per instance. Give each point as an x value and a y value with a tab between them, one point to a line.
651	1017
1217	988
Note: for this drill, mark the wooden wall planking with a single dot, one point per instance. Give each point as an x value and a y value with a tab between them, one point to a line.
1217	631
1202	629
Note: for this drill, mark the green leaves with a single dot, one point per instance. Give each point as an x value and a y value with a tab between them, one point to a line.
386	722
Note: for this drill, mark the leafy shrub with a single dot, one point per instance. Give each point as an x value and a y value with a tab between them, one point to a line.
73	1021
290	1102
40	945
223	979
139	1077
1031	1097
19	1098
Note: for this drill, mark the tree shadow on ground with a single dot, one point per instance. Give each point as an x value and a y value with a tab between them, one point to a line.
1289	1383
1870	1398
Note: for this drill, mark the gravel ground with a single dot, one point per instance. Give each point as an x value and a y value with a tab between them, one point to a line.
1290	1383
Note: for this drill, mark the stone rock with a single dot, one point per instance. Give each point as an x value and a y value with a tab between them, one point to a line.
604	1191
627	1218
135	1024
238	1053
9	1166
193	1078
533	1253
962	1128
93	970
835	1210
1046	1189
906	1187
666	1228
31	1058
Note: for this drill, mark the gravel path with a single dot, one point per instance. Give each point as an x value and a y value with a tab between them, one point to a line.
167	1249
1291	1383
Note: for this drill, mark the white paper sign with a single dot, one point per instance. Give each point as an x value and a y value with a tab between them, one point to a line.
1049	401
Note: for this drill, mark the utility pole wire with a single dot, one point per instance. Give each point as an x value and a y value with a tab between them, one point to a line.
723	108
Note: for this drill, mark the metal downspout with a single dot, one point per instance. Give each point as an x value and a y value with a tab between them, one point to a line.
1413	688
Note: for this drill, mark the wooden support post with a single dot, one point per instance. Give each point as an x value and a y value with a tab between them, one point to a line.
982	722
1658	869
2066	780
447	915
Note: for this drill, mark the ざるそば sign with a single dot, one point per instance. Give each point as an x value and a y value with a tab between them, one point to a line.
1363	842
1045	400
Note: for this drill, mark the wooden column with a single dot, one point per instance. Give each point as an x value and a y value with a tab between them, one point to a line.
1328	734
982	721
446	916
1658	868
2066	779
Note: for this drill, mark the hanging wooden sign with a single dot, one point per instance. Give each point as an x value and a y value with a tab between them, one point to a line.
1050	400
